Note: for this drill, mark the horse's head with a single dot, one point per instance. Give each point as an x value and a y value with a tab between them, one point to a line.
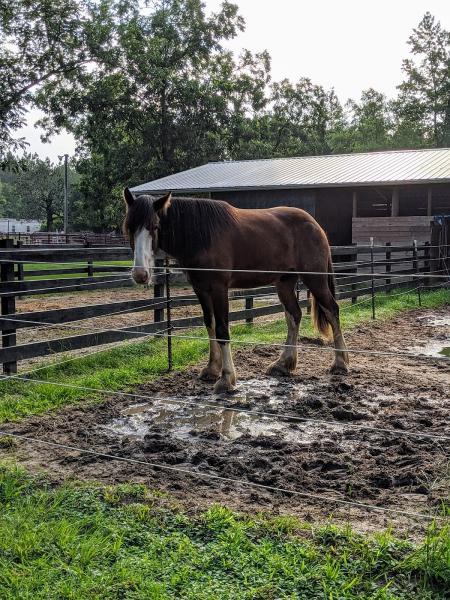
141	225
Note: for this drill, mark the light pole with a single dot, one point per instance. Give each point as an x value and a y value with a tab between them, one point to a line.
66	191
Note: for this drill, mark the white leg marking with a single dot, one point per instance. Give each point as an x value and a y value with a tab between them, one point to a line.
227	380
213	369
215	356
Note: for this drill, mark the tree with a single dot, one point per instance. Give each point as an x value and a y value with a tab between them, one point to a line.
424	95
37	191
164	102
44	43
40	192
365	126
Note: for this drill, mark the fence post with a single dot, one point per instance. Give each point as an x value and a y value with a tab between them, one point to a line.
8	306
168	315
159	289
20	269
249	305
354	285
388	268
308	300
427	263
90	262
416	269
373	279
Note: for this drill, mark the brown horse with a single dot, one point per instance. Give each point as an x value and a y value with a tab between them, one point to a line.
210	234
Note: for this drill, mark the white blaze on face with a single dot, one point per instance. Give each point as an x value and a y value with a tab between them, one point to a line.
144	260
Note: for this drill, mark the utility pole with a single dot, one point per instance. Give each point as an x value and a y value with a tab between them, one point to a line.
66	191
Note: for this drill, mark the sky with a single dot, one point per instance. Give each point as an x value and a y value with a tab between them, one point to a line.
350	45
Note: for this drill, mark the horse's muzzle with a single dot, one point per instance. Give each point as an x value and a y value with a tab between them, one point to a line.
140	275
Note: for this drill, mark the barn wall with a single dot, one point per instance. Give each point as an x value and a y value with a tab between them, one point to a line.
334	208
397	230
304	199
331	207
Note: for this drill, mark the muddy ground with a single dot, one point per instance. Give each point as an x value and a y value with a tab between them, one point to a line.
339	459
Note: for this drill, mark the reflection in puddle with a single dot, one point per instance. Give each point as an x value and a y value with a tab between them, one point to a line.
189	420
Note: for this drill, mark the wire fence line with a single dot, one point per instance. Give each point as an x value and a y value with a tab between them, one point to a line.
99	262
119	344
351	249
245	342
183	269
229	480
385	275
182	401
162	303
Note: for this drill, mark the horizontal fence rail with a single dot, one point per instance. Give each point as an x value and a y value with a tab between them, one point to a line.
361	272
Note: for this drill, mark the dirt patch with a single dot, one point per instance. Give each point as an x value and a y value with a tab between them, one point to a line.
349	458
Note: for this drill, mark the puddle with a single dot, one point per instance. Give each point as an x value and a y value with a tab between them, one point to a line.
184	421
440	345
435	321
437	348
189	421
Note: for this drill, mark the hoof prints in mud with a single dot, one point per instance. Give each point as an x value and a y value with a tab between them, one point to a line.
340	457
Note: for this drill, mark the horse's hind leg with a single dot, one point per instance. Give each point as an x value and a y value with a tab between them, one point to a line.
340	364
327	305
287	362
214	367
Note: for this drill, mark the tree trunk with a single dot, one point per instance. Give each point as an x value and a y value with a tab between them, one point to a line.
164	127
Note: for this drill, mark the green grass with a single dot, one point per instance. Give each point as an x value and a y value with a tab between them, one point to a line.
125	542
54	266
121	368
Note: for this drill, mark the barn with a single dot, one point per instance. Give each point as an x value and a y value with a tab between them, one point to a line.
393	196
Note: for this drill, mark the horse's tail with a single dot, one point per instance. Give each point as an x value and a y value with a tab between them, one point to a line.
319	317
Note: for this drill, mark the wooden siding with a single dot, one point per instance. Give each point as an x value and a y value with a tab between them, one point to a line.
304	199
334	209
397	230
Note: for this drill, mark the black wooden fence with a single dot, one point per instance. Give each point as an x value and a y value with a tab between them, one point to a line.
353	266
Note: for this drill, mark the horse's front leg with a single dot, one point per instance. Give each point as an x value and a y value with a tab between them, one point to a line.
227	380
213	369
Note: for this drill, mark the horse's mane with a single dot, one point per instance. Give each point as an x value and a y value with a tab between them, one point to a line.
190	225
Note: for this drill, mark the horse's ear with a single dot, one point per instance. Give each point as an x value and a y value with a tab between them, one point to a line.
161	205
128	196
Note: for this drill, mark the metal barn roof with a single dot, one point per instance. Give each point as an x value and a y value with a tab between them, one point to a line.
334	170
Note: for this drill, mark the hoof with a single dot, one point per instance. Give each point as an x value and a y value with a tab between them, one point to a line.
277	369
224	386
207	374
339	369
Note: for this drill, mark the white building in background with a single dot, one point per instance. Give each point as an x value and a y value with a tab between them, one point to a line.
15	226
